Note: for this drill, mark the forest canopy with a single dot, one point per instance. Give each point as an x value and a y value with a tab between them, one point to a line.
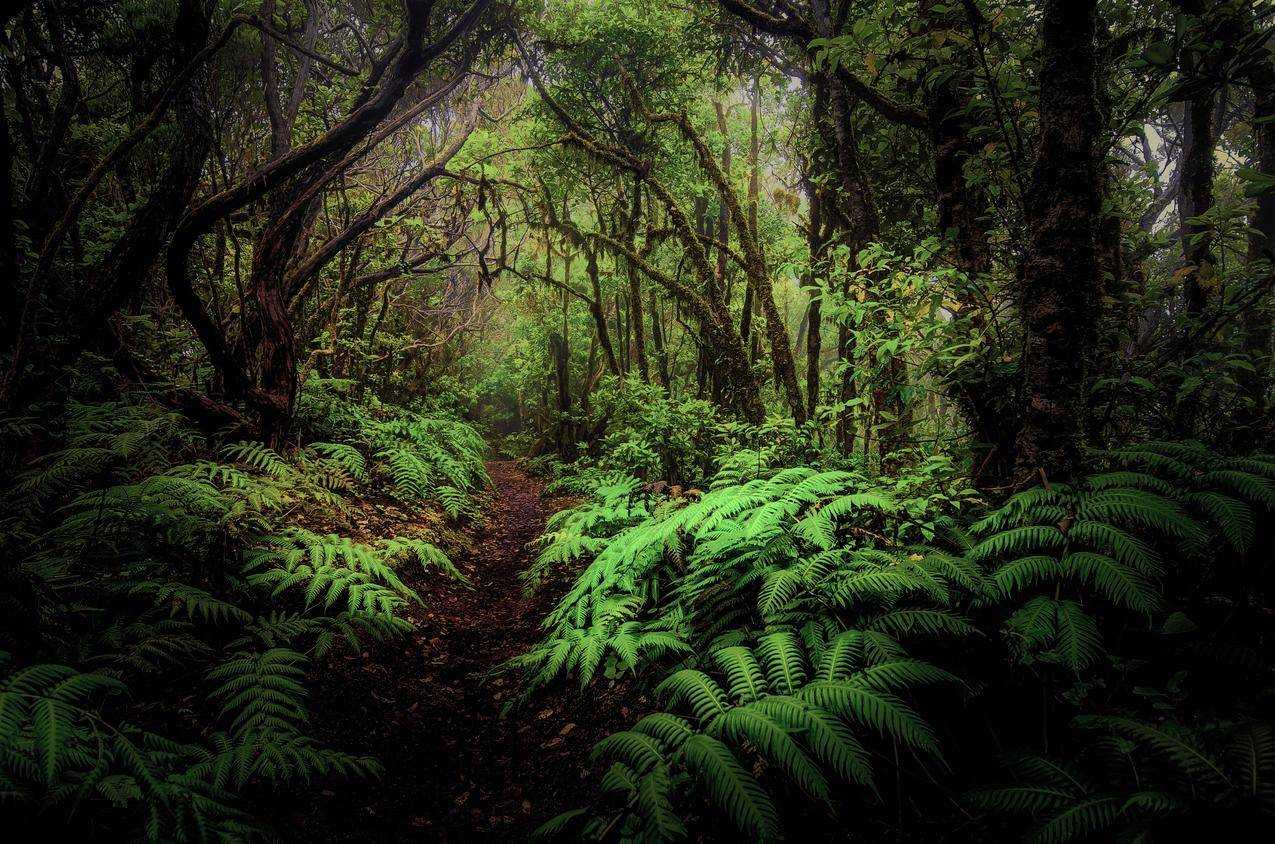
637	420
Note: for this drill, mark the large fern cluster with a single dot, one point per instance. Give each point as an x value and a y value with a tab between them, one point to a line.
582	531
415	457
1058	551
784	596
429	458
103	442
796	544
752	592
148	566
1144	781
802	710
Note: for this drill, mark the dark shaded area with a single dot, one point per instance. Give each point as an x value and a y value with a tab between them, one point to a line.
429	709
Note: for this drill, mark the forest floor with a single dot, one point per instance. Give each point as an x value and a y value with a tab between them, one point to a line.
427	707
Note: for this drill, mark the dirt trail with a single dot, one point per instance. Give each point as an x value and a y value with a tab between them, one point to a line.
455	770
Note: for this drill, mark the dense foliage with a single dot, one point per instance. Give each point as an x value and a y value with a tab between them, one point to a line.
166	602
903	369
783	612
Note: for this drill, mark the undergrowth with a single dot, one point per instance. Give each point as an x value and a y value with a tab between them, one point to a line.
181	604
810	635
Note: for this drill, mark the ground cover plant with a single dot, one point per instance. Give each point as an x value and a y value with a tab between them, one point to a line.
623	421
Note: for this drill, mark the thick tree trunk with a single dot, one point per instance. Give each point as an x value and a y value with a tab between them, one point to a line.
636	322
1062	281
1253	421
723	216
1197	199
637	326
846	390
275	341
959	204
863	227
558	351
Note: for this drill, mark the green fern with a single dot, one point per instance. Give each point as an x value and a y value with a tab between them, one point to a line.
148	563
768	705
1151	776
332	570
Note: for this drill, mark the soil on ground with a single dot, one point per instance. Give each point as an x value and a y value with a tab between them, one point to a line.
429	709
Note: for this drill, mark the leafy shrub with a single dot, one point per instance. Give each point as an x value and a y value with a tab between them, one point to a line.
652	435
434	457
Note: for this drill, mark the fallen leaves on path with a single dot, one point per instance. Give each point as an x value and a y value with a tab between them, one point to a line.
454	769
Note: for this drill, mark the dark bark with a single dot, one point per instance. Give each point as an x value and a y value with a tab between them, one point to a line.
1061	282
1197	199
1205	55
1208	49
846	390
816	240
1253	423
595	310
862	227
621	337
657	341
636	317
959	204
558	351
276	346
723	215
984	388
294	179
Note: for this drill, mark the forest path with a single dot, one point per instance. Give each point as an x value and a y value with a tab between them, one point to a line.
425	707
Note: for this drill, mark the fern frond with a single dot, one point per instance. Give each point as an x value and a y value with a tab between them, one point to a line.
696	689
731	787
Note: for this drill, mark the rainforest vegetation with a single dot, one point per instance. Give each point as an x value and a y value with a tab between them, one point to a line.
637	420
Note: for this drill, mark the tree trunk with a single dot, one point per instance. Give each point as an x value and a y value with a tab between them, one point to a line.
1061	281
657	340
816	241
275	340
636	323
985	389
558	352
1253	421
723	217
595	310
1197	198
